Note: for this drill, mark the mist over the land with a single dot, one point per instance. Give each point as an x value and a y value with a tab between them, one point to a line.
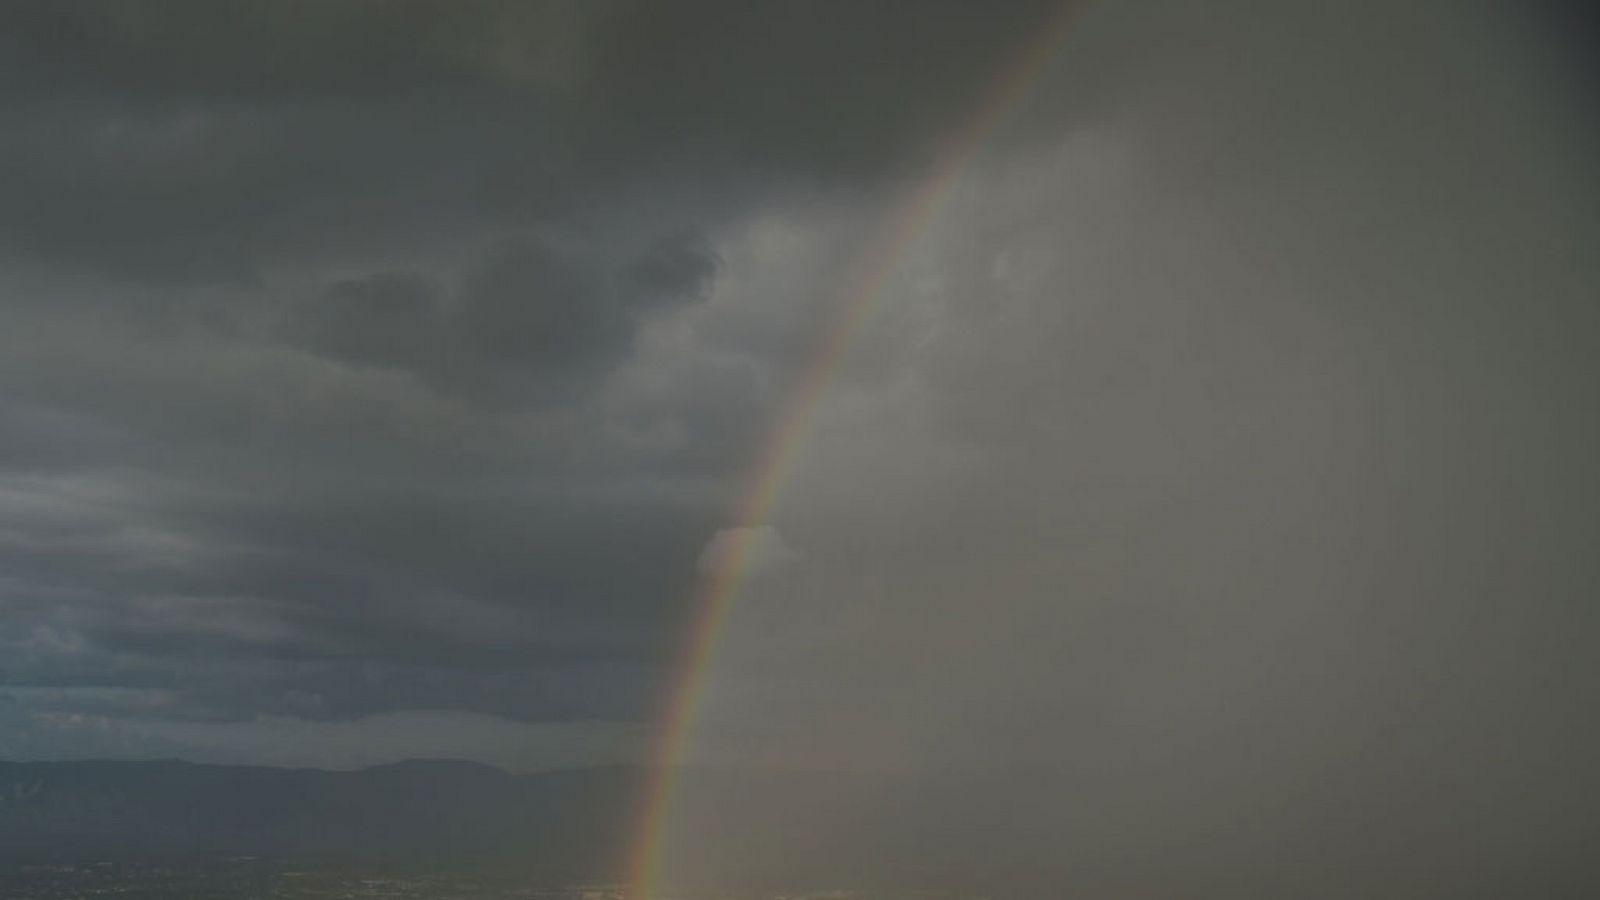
1208	507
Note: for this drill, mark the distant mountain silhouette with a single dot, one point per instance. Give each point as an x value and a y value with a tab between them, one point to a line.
565	823
749	827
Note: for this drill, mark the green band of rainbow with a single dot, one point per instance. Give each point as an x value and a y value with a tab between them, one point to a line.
719	589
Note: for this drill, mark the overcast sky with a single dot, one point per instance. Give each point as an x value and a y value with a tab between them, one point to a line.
374	377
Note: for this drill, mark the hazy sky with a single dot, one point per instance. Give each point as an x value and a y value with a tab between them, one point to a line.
374	376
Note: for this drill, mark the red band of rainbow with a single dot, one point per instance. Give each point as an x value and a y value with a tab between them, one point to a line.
720	588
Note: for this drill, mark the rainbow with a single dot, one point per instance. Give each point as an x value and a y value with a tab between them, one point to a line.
863	287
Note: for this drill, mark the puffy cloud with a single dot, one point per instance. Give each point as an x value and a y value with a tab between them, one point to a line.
524	324
756	549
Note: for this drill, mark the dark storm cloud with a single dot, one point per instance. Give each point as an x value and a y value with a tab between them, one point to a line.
209	140
205	190
388	319
269	605
524	320
324	394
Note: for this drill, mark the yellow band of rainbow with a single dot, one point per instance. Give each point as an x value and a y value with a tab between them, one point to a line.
719	588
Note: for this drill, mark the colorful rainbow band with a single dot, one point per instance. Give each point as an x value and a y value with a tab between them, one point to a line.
719	589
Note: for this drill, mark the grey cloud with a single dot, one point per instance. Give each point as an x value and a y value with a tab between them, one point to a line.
202	194
526	323
677	265
462	588
213	142
299	49
361	356
31	727
32	733
389	319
